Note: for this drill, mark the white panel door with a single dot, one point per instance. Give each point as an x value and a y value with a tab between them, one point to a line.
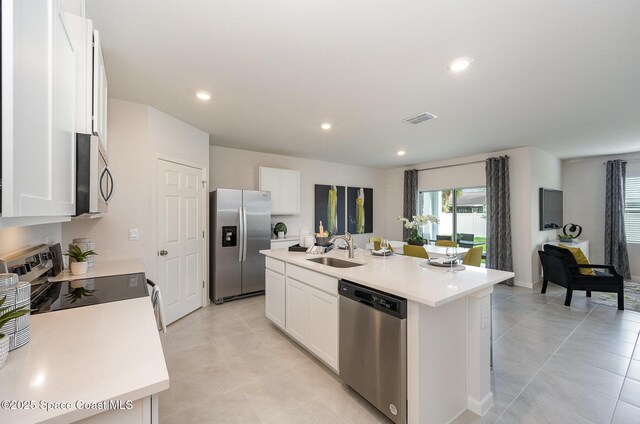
179	232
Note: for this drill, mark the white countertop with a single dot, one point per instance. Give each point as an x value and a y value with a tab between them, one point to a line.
89	354
104	268
401	275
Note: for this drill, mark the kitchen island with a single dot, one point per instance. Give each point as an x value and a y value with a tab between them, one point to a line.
448	322
96	364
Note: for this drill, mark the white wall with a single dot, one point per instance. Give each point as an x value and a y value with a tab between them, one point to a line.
232	168
523	200
137	133
583	183
546	171
18	238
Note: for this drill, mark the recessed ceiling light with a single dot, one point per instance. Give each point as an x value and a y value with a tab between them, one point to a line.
460	64
326	125
401	152
203	95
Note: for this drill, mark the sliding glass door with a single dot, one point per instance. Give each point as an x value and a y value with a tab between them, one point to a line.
462	215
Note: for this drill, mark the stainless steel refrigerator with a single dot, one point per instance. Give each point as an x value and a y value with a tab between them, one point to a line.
240	225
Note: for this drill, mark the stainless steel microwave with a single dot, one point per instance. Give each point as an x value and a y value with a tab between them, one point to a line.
94	180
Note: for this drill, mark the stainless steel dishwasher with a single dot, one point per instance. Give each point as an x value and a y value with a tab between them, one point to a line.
373	347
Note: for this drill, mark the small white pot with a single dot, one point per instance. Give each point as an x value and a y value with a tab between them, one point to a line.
79	268
4	351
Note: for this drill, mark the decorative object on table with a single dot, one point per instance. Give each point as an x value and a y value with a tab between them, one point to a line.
359	210
8	316
414	226
565	239
280	228
323	241
85	244
79	264
298	248
571	231
17	295
432	263
309	241
304	232
330	207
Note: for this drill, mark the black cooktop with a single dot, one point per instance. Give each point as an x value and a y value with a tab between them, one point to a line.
50	297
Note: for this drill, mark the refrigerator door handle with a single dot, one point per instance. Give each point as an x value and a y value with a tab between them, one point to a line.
244	234
241	234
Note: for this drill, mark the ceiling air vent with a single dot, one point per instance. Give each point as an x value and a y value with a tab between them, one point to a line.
420	118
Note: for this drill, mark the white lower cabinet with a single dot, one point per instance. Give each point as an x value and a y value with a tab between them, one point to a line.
297	315
141	411
274	297
323	326
305	304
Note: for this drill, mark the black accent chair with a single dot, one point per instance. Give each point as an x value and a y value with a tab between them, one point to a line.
560	267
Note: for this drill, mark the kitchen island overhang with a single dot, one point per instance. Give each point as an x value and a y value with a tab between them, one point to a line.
448	327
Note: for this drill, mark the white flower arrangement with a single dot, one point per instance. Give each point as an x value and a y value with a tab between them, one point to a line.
418	221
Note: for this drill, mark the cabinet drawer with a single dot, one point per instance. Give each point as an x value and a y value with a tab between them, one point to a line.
274	265
319	281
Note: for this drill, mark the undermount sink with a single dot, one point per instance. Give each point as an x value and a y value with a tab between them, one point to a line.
336	263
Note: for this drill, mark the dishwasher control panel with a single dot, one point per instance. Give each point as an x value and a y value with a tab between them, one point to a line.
382	301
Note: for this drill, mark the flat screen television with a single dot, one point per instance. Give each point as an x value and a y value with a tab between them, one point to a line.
550	209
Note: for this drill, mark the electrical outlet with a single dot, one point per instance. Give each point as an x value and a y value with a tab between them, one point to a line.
133	234
485	318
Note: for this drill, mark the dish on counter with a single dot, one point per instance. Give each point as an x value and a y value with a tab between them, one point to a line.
381	252
442	262
433	265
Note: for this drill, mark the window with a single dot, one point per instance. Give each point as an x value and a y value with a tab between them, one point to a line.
632	209
461	211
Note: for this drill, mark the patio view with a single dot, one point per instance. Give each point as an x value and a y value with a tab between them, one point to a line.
461	211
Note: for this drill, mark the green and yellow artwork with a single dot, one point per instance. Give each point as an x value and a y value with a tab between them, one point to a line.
359	210
330	208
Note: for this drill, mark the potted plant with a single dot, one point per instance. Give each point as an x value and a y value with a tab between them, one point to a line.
79	264
414	225
7	314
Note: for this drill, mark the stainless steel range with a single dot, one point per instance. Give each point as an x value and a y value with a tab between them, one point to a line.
38	264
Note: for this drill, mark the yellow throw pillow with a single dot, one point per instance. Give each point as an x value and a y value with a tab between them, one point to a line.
580	259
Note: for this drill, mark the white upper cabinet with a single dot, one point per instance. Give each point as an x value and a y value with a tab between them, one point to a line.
64	152
38	112
100	92
284	185
91	78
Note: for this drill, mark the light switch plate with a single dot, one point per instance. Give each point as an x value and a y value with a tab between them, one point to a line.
133	234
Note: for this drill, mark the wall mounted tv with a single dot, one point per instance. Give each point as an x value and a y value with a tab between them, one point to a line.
550	209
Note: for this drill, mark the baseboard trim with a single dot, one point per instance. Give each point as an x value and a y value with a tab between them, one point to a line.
480	407
525	285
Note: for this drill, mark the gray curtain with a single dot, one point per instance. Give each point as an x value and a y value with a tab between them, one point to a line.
615	240
499	254
410	202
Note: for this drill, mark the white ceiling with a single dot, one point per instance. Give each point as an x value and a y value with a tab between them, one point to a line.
561	76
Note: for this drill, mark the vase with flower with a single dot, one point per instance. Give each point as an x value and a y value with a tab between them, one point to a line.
414	226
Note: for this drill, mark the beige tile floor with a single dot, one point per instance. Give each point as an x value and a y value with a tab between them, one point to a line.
552	364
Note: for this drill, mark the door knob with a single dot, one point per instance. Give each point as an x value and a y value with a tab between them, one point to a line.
163	253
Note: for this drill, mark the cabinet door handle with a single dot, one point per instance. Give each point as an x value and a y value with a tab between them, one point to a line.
163	252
